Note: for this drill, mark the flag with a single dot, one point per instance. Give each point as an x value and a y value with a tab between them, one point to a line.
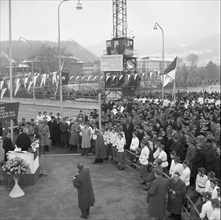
169	73
3	92
65	78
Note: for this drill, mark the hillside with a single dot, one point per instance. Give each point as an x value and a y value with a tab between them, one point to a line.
22	50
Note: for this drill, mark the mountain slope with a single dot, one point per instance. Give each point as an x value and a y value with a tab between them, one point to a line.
22	50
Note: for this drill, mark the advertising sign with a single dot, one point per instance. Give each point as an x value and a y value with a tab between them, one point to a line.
112	63
8	111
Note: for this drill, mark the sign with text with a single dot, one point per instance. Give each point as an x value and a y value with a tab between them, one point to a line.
112	63
8	111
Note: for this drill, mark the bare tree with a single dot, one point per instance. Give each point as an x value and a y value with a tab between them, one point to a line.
192	59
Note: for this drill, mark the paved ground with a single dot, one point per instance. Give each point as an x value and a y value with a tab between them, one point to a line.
118	194
29	109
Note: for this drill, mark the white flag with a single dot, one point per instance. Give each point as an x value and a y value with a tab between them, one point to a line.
1	84
25	81
3	92
29	85
34	79
17	88
169	73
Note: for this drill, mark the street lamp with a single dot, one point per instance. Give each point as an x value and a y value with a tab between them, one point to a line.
30	44
155	28
79	7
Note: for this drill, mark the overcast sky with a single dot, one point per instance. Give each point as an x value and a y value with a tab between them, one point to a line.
37	19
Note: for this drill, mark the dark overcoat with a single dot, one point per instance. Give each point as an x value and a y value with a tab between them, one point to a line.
85	190
156	197
64	132
175	205
100	151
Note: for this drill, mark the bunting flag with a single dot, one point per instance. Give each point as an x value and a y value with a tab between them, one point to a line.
3	92
89	78
17	88
151	74
71	77
101	77
17	82
8	84
83	77
25	81
34	80
77	78
128	77
1	84
43	79
114	77
29	85
170	73
54	79
94	78
120	77
135	76
142	76
107	78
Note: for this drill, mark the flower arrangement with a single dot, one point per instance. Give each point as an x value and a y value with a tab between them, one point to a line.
16	166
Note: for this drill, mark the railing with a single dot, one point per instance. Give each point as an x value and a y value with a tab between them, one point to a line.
128	160
57	97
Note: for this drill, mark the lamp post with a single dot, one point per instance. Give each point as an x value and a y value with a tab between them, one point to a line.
32	67
59	54
155	28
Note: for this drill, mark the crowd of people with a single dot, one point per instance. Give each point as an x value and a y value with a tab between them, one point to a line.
181	139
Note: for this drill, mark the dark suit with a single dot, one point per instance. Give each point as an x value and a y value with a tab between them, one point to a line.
175	205
23	141
157	197
7	146
85	191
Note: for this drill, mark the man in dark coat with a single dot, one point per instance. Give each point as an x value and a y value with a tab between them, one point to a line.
177	189
156	196
53	130
100	151
128	129
210	155
23	140
82	181
7	144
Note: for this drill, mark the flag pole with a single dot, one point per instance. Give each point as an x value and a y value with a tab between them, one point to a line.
174	83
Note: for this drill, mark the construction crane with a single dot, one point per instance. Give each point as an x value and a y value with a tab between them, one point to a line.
123	81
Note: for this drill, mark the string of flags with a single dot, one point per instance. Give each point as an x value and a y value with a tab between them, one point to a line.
29	80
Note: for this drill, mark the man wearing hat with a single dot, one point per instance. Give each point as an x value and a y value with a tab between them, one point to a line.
215	215
82	181
39	118
207	208
210	175
177	190
214	187
156	196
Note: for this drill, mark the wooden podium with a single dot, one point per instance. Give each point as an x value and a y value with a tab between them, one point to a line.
33	160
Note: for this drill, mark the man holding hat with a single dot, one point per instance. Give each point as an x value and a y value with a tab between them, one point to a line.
207	208
215	215
82	181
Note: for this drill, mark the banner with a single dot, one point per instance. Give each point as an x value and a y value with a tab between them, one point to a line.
9	111
112	63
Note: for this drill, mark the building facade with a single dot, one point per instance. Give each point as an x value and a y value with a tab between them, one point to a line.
152	64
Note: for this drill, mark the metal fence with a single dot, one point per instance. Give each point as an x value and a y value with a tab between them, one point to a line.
129	159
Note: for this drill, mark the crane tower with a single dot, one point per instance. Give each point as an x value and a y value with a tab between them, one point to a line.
120	80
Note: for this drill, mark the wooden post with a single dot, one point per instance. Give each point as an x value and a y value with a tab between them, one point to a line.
99	110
